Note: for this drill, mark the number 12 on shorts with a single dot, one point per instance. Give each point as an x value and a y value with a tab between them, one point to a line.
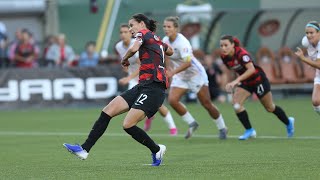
140	99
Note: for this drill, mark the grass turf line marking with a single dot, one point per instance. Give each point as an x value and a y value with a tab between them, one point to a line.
36	133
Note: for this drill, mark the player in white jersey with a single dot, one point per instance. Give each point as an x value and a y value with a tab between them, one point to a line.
312	42
188	74
132	79
121	47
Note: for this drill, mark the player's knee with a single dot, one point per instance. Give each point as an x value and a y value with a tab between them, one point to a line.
236	107
173	101
316	103
269	109
126	125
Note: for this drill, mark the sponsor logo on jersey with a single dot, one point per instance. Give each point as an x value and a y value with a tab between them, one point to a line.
156	37
138	35
246	58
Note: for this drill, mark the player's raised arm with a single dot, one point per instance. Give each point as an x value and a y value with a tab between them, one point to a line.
131	51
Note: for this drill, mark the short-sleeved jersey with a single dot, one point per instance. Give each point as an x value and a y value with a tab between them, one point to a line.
237	63
182	49
151	55
122	49
313	52
25	50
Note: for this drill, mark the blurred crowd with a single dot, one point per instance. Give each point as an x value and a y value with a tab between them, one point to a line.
24	52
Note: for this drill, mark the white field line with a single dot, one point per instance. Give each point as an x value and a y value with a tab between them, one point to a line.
36	133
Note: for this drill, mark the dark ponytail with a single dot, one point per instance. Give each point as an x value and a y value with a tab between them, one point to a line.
150	23
232	39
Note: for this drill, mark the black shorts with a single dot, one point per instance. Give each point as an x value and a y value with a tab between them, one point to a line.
260	88
147	97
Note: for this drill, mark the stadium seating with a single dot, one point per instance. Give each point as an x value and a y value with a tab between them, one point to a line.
266	60
290	69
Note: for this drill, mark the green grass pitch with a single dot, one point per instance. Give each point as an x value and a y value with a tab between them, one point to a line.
31	146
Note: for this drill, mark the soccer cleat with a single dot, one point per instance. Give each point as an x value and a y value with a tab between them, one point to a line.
290	127
249	133
192	127
76	150
173	131
157	158
223	133
147	123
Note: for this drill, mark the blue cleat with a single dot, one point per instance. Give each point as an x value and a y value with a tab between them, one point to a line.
290	127
157	158
249	133
76	150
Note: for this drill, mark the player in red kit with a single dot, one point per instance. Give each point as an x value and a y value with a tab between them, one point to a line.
251	79
143	99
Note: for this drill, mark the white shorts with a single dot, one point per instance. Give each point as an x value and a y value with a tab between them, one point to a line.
194	84
132	83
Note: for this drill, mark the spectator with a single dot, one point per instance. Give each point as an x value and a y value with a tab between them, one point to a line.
49	40
89	57
25	52
215	79
13	44
60	54
4	60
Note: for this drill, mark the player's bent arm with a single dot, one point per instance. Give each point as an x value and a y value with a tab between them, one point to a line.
169	51
132	50
183	66
299	53
249	72
315	64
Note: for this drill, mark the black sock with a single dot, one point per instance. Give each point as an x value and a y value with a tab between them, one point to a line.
244	119
143	138
97	131
278	111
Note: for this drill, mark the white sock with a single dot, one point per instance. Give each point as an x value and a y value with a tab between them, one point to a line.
317	109
220	122
188	118
169	120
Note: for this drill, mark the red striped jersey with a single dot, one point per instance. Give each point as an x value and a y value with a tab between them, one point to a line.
151	55
237	63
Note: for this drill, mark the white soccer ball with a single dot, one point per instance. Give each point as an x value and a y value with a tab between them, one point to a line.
305	41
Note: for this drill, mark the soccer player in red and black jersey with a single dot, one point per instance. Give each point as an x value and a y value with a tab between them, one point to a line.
143	99
251	79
